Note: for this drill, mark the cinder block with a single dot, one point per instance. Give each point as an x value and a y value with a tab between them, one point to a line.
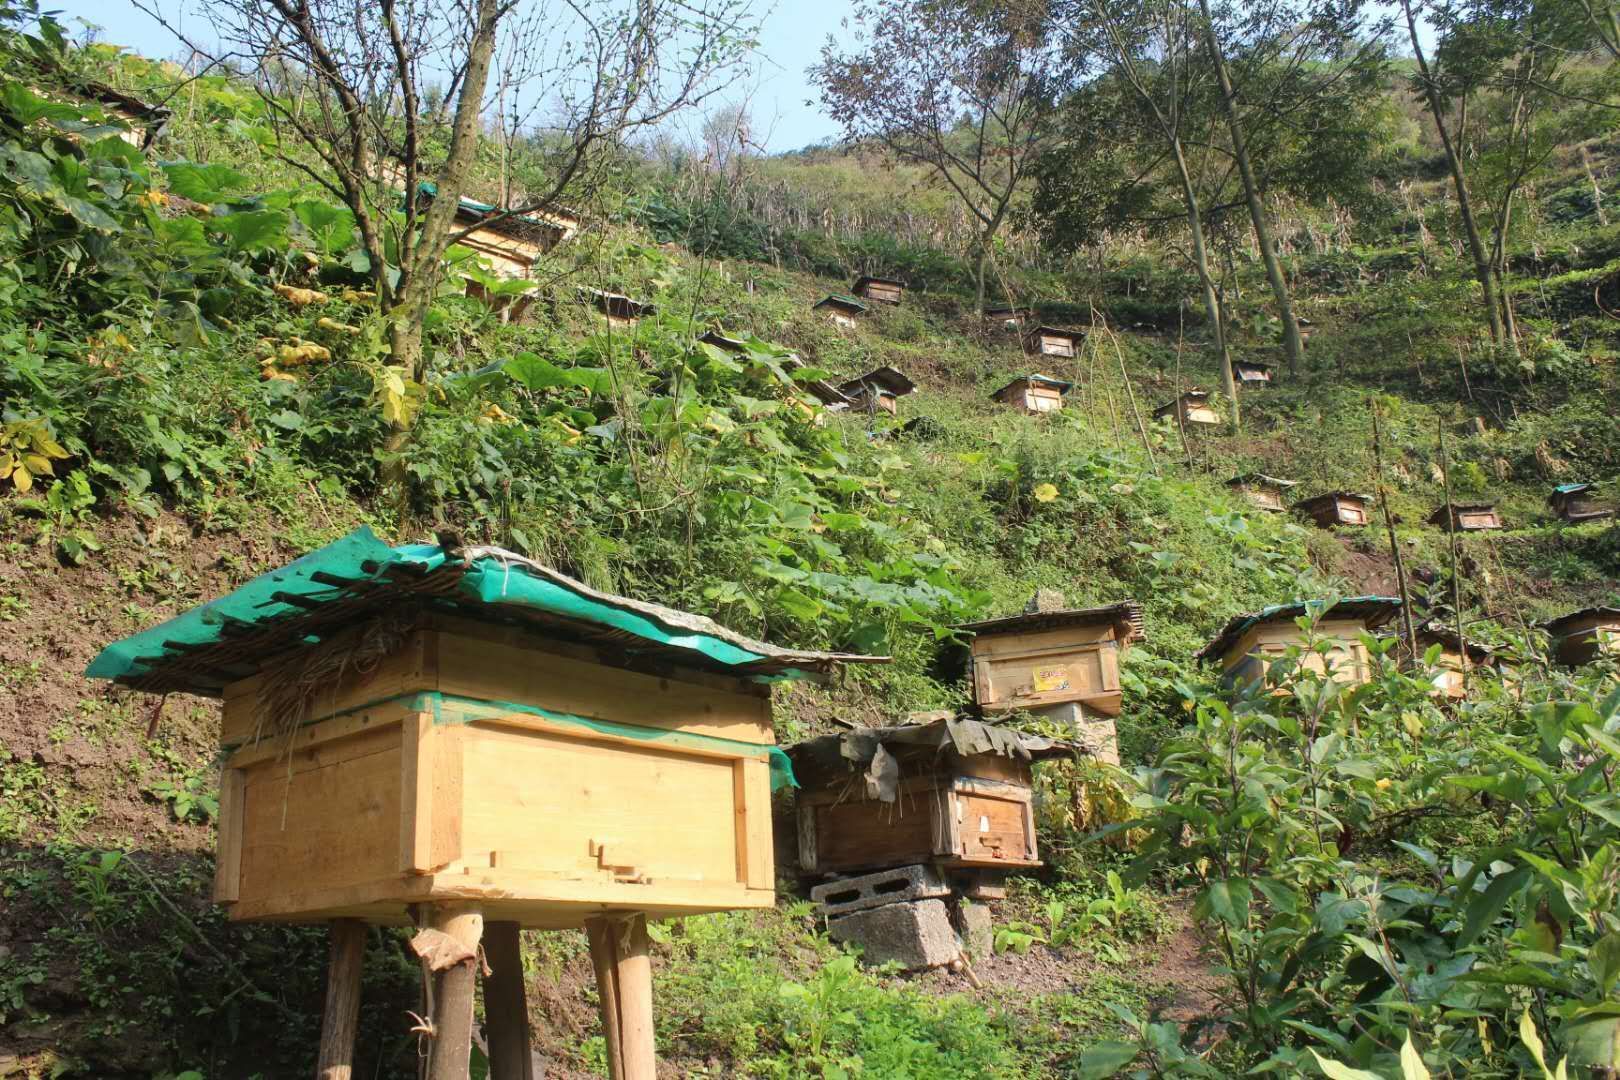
1091	730
914	935
882	887
973	925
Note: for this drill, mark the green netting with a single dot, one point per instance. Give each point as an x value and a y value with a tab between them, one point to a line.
362	556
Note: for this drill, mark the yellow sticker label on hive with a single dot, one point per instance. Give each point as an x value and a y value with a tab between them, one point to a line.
1048	680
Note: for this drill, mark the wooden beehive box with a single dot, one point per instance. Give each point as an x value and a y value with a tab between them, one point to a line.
1262	491
1193	408
1006	317
1576	503
479	728
1336	508
881	388
446	736
1034	393
1053	341
879	290
1467	517
842	310
1248	372
620	311
1447	676
1044	658
1583	636
954	793
1249	644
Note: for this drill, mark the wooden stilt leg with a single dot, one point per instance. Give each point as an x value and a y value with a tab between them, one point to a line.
453	995
506	1008
620	954
635	1000
342	1016
605	959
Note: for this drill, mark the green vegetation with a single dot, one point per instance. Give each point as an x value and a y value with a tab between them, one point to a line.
197	381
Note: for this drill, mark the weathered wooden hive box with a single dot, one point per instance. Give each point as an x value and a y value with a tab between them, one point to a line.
955	793
882	388
1336	508
1262	491
1449	662
411	725
620	311
1249	644
879	290
1053	341
1467	517
1583	636
842	310
1576	503
1249	372
1045	658
1193	407
1034	393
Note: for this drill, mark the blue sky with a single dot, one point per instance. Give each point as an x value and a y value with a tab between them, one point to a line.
790	41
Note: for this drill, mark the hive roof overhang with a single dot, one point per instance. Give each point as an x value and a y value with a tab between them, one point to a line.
360	578
1373	611
1126	613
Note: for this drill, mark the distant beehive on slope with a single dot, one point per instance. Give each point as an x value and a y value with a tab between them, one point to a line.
1034	393
879	290
1336	508
1193	407
1249	644
1265	492
1053	341
1583	636
1576	503
842	310
1467	517
881	388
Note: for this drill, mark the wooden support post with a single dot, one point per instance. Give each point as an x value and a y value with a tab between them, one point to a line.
506	1007
341	1019
453	995
620	955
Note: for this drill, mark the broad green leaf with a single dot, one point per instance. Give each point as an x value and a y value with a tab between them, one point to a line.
1228	900
1105	1059
1593	1042
1604	960
212	183
253	230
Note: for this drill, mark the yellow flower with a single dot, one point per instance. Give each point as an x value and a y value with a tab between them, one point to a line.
1045	492
1384	784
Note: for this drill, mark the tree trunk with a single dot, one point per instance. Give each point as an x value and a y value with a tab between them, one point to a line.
1212	303
506	1007
1293	348
341	1020
451	1053
1465	209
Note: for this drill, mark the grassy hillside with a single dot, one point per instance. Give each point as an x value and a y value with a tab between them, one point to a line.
142	296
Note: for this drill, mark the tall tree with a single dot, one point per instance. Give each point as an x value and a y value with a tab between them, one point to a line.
963	87
1303	58
344	85
1150	48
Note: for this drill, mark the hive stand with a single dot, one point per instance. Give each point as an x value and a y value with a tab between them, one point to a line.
473	744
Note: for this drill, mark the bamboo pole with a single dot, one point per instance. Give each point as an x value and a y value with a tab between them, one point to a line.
506	1007
1130	393
341	1020
1389	526
1456	563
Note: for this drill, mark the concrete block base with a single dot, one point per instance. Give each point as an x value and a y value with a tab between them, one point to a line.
896	885
915	935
